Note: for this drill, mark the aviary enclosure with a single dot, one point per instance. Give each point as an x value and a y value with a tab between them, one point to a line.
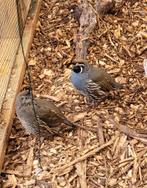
108	146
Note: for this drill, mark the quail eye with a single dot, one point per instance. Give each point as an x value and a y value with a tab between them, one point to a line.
78	68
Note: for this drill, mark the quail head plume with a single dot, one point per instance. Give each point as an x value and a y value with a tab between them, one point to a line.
93	82
48	115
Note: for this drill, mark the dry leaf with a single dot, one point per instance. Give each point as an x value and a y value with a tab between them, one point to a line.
117	32
79	116
112	182
48	72
32	62
121	80
68	43
101	62
145	66
136	23
12	182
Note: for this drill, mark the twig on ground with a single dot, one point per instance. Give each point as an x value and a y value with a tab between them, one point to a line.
100	134
92	152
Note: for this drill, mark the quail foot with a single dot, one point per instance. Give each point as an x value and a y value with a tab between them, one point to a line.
49	116
95	83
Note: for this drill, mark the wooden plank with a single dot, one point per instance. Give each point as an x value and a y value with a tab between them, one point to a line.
15	81
24	4
9	40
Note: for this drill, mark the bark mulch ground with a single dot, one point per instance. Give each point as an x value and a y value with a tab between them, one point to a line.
111	157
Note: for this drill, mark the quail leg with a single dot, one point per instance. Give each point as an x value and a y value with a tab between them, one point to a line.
91	102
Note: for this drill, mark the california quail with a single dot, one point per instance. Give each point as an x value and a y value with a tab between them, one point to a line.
48	115
94	83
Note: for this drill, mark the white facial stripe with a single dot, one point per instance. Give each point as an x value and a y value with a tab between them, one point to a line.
81	67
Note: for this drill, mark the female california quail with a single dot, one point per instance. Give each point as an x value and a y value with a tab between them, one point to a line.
92	82
48	115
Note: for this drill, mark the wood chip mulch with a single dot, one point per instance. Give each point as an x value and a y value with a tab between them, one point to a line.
108	157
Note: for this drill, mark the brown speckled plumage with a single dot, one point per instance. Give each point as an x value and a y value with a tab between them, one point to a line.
48	114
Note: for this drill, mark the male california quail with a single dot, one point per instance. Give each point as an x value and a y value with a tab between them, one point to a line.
48	115
92	82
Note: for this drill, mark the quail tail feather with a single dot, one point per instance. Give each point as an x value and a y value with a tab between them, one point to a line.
69	123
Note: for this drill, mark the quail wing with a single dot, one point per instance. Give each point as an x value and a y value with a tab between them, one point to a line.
48	112
102	79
